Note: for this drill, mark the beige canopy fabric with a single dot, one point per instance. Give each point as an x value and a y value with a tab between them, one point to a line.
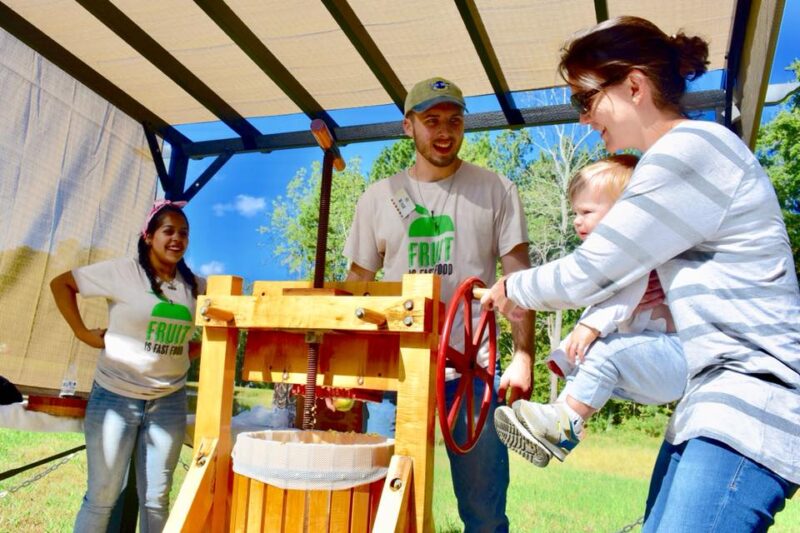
418	38
70	165
78	78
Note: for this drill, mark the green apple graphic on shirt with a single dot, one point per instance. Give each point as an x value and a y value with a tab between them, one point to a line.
430	243
167	329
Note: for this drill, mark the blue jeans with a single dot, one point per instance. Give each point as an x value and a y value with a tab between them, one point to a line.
647	367
480	477
115	427
703	485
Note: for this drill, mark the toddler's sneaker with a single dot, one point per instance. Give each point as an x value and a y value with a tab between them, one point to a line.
514	435
554	425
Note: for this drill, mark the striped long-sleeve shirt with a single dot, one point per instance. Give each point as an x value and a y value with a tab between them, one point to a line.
700	209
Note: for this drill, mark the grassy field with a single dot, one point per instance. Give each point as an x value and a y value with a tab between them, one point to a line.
600	488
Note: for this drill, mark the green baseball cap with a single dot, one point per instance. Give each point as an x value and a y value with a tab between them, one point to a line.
431	92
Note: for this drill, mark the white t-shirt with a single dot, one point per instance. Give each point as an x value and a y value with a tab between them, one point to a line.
458	228
618	312
147	352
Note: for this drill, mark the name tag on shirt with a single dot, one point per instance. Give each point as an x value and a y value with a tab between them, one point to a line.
402	203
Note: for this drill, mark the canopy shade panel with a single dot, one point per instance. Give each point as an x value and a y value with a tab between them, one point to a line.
186	61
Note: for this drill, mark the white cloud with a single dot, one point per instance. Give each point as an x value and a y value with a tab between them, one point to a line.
249	206
211	268
221	209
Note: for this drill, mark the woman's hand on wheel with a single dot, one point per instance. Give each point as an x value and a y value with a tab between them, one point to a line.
496	298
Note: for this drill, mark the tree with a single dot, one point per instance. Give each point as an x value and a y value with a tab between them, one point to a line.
295	218
778	150
392	159
541	162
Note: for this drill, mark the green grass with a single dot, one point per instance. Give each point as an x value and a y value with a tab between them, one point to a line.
600	488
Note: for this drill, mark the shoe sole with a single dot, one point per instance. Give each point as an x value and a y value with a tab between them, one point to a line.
554	449
515	437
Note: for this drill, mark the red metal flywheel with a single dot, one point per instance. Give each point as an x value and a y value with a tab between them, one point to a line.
466	364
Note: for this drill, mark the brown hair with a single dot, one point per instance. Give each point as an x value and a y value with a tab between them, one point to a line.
144	252
608	51
611	174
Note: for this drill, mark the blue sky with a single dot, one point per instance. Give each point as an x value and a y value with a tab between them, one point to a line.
226	214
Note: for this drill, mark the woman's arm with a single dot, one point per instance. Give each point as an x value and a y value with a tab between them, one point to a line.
64	292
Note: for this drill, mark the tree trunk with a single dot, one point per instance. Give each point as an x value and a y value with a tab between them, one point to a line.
554	333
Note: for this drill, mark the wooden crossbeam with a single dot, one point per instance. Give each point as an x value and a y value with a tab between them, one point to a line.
330	312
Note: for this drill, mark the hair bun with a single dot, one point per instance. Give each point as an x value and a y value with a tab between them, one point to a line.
692	55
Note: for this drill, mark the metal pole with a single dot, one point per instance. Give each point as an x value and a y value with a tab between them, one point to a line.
310	396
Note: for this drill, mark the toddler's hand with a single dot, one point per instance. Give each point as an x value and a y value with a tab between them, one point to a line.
579	341
653	295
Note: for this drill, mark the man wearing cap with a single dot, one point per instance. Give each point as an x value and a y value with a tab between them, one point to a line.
449	217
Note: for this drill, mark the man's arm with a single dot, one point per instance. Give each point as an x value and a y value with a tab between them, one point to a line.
359	273
519	374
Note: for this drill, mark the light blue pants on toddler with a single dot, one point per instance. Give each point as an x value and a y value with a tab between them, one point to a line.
647	368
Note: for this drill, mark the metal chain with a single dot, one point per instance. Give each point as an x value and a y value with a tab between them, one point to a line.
184	465
630	527
37	477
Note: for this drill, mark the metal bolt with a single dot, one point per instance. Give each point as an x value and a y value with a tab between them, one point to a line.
396	484
360	313
409	305
408	321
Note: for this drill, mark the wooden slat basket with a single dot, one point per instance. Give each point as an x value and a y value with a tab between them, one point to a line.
308	481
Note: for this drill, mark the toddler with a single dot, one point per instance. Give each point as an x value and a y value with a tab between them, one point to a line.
595	372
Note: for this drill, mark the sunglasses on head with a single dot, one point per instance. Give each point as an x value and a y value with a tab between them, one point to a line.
582	100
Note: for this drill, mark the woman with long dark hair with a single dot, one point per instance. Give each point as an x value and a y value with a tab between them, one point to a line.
137	405
700	210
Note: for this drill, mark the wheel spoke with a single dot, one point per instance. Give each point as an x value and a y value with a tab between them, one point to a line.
458	360
483	374
467	318
456	407
479	331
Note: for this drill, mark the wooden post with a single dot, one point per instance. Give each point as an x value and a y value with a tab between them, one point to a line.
758	50
215	399
203	501
416	400
393	510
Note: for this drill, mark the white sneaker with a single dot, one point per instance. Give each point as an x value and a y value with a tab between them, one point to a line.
514	435
551	424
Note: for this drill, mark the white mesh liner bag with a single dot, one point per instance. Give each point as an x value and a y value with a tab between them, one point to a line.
312	460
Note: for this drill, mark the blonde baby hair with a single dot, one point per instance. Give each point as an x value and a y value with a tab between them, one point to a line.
611	174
